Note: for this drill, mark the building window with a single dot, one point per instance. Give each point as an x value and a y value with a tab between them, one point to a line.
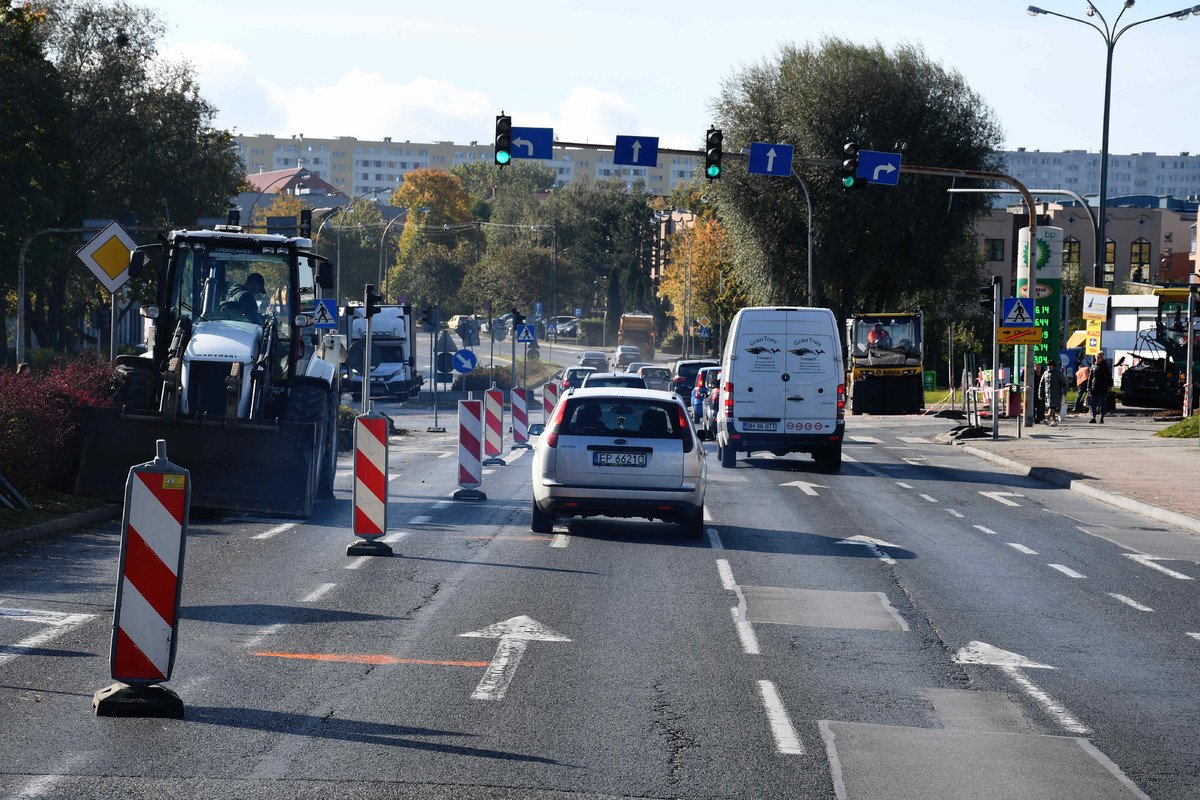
1072	254
1139	260
994	248
1110	263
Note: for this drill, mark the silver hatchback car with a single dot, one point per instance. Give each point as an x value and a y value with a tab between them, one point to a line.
619	453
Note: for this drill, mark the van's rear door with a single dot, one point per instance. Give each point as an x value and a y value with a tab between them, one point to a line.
758	364
812	371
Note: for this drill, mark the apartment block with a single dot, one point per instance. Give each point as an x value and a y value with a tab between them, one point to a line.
1079	171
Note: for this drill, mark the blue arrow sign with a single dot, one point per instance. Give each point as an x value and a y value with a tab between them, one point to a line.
464	361
325	313
878	167
1018	313
533	143
770	159
537	309
525	333
636	151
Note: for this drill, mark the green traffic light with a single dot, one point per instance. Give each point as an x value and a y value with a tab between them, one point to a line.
503	157
848	181
714	170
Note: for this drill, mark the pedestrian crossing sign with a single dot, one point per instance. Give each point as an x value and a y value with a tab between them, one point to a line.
325	313
1018	312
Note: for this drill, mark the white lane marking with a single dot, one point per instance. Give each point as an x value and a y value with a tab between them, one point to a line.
560	540
707	515
1129	601
1194	635
1002	497
489	471
916	462
392	478
420	519
39	785
395	536
445	455
1021	548
1051	706
1070	573
278	529
270	630
864	467
318	593
954	513
714	539
786	740
745	630
808	488
358	562
40	617
514	455
1149	561
41	638
927	497
903	485
864	440
873	545
913	439
440	504
984	528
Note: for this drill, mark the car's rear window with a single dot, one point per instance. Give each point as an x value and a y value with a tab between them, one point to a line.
630	418
634	381
657	374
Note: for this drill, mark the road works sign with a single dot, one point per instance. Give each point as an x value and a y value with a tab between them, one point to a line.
107	256
1019	335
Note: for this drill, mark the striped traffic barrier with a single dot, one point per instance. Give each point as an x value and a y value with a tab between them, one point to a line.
493	427
370	486
470	450
519	400
549	401
158	495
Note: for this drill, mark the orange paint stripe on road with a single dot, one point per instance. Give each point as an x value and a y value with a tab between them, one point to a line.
369	658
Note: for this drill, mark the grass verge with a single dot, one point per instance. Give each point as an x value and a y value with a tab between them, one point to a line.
47	506
1184	429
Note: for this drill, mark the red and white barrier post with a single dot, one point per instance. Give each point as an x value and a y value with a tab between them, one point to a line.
470	450
493	427
370	486
549	401
519	400
158	495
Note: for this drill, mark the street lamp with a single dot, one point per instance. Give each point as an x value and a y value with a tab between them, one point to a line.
383	244
302	174
1111	35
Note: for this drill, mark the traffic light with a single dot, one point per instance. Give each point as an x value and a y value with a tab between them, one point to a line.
306	223
371	300
712	153
503	139
849	164
428	322
987	295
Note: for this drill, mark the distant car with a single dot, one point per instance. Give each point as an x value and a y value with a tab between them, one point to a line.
619	453
636	365
625	355
706	378
573	376
564	326
684	374
707	427
594	359
595	379
656	377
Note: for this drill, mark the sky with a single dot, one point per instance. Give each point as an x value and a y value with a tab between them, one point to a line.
432	72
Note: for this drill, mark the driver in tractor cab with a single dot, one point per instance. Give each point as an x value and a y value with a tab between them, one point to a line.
879	337
245	296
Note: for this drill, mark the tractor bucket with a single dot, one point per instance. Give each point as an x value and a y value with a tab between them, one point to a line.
254	467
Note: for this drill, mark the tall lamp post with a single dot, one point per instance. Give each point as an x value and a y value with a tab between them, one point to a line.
1111	35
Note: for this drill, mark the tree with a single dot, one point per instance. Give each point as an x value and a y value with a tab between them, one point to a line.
693	278
877	248
284	205
433	198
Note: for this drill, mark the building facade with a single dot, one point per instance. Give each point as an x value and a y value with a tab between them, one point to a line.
1079	171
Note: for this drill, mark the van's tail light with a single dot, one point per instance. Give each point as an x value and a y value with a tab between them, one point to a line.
551	432
684	429
841	401
727	393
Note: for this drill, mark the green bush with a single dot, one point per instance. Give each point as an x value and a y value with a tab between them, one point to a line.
591	331
481	378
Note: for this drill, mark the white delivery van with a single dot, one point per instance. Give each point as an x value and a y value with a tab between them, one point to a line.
783	385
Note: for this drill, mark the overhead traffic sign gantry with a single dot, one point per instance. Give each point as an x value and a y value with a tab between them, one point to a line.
770	159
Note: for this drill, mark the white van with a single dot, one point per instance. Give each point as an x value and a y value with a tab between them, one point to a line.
783	385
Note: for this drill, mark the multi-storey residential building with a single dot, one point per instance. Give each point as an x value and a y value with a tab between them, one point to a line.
1079	171
355	166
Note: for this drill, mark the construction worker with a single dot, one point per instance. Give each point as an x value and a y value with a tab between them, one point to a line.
245	296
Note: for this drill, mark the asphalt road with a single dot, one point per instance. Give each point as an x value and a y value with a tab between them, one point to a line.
990	637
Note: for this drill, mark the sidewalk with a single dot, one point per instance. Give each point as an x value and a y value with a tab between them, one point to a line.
1120	462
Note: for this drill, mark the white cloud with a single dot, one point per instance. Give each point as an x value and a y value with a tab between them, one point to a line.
594	115
217	64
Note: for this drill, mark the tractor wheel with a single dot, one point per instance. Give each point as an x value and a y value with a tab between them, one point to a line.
315	404
135	386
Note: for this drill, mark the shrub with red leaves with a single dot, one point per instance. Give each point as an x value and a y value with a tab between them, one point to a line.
41	421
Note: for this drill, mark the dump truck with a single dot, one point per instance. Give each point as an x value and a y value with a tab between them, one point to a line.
237	377
638	330
885	363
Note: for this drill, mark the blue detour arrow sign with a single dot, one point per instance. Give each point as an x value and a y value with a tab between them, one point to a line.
878	167
533	143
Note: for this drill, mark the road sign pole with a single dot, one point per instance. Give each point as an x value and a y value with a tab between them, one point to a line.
112	328
996	356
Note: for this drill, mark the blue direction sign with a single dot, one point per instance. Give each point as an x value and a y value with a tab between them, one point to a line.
578	312
770	159
1018	313
464	361
525	333
636	151
537	309
325	313
878	167
533	143
704	332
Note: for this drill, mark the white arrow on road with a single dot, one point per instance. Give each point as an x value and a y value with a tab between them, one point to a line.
1002	497
883	168
771	160
514	635
528	145
809	489
1011	664
873	545
637	148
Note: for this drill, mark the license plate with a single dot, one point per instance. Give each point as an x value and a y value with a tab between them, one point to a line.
758	426
611	459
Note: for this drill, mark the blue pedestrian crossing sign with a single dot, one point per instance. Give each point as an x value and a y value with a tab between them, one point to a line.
1018	312
770	159
705	333
533	143
636	151
464	361
325	313
525	333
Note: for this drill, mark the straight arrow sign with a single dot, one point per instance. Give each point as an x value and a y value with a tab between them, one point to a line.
1011	665
873	545
809	489
514	634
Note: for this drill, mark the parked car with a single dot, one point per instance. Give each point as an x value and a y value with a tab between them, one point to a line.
706	378
573	377
684	374
636	365
594	359
619	453
656	377
625	355
614	379
564	326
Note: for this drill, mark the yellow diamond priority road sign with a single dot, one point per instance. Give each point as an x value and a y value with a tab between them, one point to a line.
107	256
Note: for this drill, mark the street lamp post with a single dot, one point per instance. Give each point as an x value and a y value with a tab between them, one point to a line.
1111	35
383	246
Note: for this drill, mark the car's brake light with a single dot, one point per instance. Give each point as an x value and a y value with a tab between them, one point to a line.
684	429
727	393
841	401
551	431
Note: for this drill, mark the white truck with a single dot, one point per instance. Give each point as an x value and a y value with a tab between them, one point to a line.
393	361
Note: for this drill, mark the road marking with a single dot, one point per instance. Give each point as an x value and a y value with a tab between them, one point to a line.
903	485
873	545
392	478
927	497
278	529
440	504
1194	635
1002	497
318	593
714	539
514	634
488	471
515	455
445	455
370	658
41	638
1012	664
707	515
1022	548
40	617
745	630
809	489
1149	561
916	462
560	540
1129	602
39	785
913	439
395	536
864	440
420	519
954	513
270	630
1051	706
786	740
984	528
1070	573
358	562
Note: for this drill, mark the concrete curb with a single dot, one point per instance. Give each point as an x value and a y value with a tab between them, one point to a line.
103	513
1064	480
